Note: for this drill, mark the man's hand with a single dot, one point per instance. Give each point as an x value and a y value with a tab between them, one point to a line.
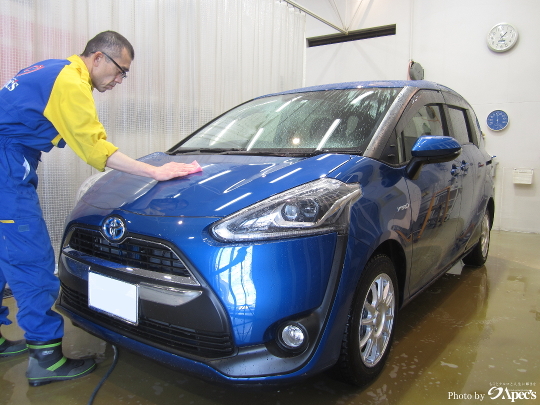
168	171
172	169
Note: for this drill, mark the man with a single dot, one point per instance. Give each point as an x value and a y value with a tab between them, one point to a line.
50	104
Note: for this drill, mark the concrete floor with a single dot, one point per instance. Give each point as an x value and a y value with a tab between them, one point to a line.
467	334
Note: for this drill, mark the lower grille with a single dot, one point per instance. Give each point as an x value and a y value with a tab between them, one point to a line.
203	344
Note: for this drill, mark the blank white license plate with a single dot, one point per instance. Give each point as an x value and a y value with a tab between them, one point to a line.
114	297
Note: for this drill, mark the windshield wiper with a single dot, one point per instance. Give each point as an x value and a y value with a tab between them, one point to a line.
282	152
203	151
261	152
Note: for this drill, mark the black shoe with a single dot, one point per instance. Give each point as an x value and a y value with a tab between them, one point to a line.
47	364
10	348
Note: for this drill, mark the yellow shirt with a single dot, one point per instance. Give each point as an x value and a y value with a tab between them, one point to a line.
72	111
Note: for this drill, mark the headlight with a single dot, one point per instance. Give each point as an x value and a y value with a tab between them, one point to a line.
89	182
318	207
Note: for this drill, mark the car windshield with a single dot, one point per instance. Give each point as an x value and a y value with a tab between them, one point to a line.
333	120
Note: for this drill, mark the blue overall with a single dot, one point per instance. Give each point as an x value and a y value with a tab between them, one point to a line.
45	105
26	255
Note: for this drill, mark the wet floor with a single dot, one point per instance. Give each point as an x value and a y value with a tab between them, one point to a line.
468	339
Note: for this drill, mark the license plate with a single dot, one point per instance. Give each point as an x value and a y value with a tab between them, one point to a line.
113	297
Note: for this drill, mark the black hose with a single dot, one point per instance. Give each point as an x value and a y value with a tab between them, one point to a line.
107	374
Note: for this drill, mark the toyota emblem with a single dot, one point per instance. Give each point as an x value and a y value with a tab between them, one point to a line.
114	228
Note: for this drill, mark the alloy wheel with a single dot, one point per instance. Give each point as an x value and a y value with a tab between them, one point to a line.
377	320
484	237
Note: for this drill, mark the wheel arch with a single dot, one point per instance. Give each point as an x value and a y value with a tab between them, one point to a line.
491	208
395	251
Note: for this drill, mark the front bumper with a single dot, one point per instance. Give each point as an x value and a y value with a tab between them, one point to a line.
216	336
189	366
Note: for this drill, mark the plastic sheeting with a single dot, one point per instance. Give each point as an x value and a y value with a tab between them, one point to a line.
194	59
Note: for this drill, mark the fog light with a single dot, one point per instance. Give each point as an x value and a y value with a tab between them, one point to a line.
293	336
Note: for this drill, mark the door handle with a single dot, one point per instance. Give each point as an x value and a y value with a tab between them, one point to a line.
464	167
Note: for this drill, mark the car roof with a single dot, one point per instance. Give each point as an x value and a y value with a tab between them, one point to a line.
420	84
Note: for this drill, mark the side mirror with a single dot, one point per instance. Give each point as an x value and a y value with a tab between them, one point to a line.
432	149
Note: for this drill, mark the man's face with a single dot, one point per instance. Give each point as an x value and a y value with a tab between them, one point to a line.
105	74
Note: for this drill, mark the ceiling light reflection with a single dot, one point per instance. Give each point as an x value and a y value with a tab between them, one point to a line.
222	132
286	175
287	103
360	97
259	133
233	201
328	133
214	176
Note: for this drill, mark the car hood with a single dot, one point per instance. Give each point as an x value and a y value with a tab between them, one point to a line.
226	184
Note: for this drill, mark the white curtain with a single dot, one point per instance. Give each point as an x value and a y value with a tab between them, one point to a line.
194	59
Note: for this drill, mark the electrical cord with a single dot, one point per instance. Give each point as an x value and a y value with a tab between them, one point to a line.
107	374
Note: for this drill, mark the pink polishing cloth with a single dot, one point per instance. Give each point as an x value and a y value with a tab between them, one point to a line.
197	168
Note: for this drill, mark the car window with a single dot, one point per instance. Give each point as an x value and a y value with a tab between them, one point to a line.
319	120
460	128
476	130
427	121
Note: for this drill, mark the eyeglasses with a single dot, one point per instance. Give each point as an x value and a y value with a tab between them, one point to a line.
123	73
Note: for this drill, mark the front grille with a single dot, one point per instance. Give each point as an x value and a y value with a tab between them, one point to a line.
154	332
139	253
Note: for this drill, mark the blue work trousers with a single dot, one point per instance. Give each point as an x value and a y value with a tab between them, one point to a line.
26	255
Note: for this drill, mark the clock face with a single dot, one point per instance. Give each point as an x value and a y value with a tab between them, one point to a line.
497	120
502	37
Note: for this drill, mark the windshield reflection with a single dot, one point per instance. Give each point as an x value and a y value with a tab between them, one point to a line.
332	120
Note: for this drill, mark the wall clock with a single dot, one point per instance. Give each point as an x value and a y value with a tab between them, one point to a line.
502	37
497	120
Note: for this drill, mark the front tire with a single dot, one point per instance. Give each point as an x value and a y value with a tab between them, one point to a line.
370	328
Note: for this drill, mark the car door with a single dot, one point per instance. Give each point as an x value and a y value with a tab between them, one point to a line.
435	196
473	169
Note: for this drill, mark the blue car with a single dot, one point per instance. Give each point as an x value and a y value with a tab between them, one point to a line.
319	213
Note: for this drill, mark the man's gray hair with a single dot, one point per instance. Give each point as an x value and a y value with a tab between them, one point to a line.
111	43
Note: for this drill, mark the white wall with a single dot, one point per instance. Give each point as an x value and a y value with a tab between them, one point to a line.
449	40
